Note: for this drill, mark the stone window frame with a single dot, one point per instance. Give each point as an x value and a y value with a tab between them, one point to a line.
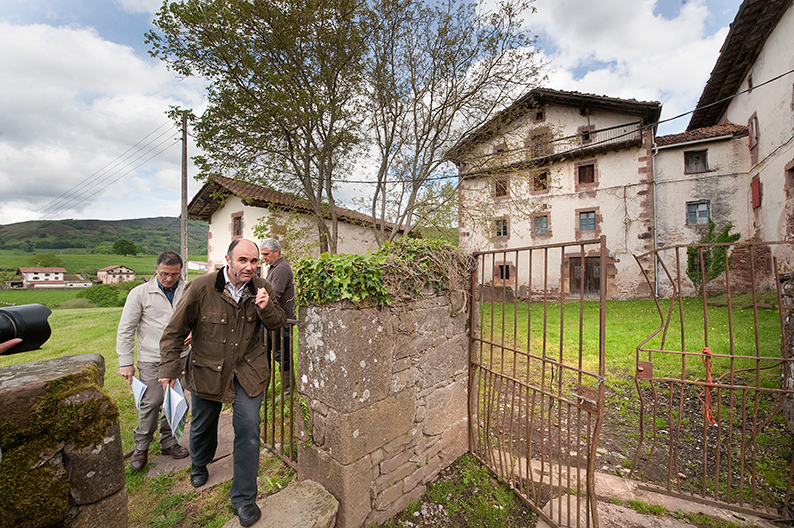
789	179
533	178
238	216
497	229
501	188
585	134
547	233
537	115
586	186
503	265
588	233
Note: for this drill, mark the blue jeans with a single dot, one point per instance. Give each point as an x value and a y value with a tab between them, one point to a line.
247	430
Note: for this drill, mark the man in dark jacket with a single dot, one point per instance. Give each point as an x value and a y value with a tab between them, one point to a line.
279	274
227	364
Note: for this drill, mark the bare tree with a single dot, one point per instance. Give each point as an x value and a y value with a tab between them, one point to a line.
438	71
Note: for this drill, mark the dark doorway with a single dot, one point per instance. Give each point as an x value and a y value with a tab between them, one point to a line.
591	276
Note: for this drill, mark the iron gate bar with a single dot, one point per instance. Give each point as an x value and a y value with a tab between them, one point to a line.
740	488
278	432
515	415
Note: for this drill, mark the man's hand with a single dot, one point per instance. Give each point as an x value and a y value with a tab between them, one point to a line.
167	382
5	345
128	372
188	340
262	298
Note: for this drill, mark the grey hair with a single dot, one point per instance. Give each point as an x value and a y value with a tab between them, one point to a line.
271	244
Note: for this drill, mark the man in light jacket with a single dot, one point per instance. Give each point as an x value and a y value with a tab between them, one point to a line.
146	312
227	363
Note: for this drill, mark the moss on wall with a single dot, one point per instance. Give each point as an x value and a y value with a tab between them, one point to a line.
34	488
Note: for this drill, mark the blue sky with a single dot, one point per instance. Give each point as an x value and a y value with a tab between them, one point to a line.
80	91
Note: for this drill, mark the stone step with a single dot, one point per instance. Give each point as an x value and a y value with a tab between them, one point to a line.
303	504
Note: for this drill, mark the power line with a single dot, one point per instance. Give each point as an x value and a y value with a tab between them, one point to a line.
111	182
62	202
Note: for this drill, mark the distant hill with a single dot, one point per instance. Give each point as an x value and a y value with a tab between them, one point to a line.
153	235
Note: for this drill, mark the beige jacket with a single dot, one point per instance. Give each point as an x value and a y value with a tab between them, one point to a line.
146	312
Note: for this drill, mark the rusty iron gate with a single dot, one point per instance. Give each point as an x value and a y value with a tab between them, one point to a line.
536	395
280	405
711	426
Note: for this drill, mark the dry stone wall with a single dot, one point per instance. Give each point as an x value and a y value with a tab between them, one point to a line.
62	462
387	400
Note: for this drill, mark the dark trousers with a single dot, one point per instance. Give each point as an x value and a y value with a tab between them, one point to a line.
273	344
247	430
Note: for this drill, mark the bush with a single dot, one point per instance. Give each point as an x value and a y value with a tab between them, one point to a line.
103	295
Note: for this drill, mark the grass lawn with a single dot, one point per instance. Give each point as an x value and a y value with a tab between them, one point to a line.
79	263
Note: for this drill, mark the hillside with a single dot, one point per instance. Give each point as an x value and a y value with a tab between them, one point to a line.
153	235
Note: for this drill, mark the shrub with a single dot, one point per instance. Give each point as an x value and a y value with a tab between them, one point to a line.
103	295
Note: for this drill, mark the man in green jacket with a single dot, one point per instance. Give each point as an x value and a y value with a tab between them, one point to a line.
227	364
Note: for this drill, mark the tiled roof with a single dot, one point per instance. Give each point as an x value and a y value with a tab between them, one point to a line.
648	111
108	268
702	133
42	270
752	26
206	201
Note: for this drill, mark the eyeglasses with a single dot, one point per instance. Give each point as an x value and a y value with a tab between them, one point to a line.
169	275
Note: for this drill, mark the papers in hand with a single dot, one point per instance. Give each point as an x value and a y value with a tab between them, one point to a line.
138	388
175	409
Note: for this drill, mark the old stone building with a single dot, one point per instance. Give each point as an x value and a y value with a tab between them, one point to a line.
555	167
561	166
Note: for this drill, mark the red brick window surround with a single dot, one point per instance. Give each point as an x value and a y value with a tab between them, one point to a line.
588	223
586	175
540	181
500	188
237	225
541	225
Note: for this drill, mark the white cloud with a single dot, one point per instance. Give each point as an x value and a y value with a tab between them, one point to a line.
140	6
620	48
72	103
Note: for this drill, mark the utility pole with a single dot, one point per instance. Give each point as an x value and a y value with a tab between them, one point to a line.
184	197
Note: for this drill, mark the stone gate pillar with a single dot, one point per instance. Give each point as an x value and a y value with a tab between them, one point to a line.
386	390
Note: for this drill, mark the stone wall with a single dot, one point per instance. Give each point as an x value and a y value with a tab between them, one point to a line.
387	400
62	462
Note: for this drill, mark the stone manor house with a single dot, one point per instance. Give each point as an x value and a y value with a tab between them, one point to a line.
561	166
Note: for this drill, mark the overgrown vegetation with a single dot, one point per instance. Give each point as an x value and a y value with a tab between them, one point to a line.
466	494
713	256
401	269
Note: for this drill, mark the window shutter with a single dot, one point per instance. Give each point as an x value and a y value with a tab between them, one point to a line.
755	191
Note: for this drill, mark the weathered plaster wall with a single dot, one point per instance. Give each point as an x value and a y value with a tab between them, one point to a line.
387	397
773	104
62	462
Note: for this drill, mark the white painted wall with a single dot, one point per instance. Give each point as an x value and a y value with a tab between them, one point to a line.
352	238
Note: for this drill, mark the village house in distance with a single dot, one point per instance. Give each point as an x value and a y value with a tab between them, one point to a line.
561	166
233	208
115	274
47	279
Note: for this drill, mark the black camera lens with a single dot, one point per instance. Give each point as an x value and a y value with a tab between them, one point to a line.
28	322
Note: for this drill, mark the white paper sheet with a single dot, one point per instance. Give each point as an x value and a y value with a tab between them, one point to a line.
138	388
175	409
